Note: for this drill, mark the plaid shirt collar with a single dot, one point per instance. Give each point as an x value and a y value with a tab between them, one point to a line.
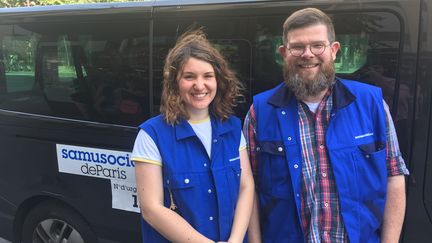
341	96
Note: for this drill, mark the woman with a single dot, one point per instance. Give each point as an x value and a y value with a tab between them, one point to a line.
193	175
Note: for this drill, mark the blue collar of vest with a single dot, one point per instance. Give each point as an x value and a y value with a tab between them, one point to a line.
184	130
341	95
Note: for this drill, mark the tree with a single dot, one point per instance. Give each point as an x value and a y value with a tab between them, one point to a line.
25	3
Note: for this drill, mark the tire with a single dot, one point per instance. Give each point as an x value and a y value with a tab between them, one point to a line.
52	222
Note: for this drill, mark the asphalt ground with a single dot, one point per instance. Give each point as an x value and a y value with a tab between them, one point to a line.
4	241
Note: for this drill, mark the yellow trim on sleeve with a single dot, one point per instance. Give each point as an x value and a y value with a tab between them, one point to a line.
154	162
242	148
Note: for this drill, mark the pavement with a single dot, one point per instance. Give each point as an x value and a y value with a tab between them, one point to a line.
4	241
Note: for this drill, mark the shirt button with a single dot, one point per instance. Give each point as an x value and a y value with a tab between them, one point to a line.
367	156
186	181
321	146
258	148
297	195
280	149
214	140
325	204
283	112
205	164
295	166
209	191
289	138
324	174
325	233
210	218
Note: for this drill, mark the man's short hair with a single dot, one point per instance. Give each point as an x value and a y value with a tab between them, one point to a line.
305	18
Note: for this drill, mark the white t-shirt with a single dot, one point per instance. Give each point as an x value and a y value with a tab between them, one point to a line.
145	149
313	106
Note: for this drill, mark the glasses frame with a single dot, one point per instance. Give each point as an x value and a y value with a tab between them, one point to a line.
310	49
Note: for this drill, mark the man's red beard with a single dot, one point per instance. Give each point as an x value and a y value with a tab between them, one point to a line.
305	88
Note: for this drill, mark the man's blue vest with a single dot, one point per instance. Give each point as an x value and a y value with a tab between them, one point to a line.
204	190
355	142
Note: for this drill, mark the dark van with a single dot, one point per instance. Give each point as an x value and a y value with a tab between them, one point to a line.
75	81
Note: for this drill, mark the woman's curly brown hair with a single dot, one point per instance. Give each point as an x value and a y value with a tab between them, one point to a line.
195	44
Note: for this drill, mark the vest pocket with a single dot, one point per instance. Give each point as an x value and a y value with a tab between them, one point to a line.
371	148
180	190
273	169
235	174
236	170
372	169
372	154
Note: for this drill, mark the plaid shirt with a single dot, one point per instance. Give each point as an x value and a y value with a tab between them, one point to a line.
320	208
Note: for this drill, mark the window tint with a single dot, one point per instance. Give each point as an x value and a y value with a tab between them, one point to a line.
79	71
369	46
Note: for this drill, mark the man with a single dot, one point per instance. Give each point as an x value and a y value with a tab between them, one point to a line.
325	152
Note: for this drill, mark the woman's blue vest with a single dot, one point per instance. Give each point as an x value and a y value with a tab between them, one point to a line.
205	190
355	142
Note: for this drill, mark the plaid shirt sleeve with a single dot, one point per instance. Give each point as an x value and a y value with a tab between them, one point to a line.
249	131
395	162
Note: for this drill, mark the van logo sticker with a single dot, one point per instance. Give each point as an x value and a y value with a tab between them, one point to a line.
112	165
364	135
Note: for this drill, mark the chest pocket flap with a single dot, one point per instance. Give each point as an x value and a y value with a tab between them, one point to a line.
179	181
272	147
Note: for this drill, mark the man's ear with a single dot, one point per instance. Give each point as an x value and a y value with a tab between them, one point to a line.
283	51
335	46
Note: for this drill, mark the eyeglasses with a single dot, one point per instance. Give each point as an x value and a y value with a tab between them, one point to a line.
316	49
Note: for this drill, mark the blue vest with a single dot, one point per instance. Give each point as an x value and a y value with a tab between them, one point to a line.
205	190
355	142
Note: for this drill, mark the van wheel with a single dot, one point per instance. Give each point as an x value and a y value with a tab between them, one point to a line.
53	223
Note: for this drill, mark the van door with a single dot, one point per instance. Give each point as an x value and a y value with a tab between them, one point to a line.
379	45
74	89
418	219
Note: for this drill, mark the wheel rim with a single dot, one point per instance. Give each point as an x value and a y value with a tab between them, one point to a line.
56	231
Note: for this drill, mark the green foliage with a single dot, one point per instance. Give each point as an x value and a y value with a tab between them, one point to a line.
24	3
18	53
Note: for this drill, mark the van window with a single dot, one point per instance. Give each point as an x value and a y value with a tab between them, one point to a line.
369	49
18	53
83	71
369	46
66	68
